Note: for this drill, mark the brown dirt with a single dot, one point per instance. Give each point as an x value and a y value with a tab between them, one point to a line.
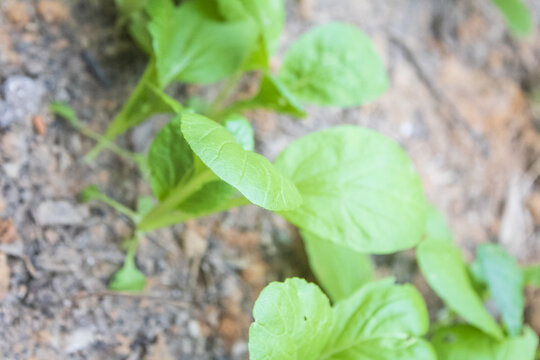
459	104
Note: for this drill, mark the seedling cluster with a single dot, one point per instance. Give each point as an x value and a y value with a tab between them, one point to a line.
350	191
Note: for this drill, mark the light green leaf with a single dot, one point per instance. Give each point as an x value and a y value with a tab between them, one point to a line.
340	270
292	322
504	280
241	129
268	15
64	111
436	226
128	278
132	14
192	44
360	190
444	269
517	15
464	342
170	159
531	275
252	174
273	95
334	65
380	321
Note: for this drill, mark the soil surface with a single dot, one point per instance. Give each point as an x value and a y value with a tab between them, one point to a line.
459	104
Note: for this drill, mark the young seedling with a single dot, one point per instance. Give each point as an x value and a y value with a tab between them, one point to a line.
339	184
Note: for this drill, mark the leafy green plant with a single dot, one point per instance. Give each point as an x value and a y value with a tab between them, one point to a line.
340	184
351	191
468	331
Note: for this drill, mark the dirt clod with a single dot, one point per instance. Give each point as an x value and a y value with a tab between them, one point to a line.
52	11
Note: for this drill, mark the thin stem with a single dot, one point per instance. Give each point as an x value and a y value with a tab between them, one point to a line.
224	93
117	206
178	194
136	158
135	110
178	217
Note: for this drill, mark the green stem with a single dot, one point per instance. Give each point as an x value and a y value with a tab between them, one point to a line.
177	217
105	143
224	94
177	195
117	206
137	108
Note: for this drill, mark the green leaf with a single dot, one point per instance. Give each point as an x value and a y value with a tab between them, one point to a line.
360	190
193	44
209	197
128	278
269	17
132	14
273	95
531	275
444	269
504	280
517	15
292	322
340	270
65	111
380	321
462	342
252	174
170	159
436	226
241	129
334	65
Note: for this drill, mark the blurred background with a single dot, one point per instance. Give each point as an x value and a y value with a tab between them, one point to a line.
464	102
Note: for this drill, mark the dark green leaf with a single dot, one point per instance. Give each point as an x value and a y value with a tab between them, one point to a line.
340	270
209	197
192	44
517	15
360	190
334	65
464	342
444	269
504	280
170	159
252	174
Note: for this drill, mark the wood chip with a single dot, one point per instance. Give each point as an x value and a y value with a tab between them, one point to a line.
534	206
8	232
52	11
4	275
39	124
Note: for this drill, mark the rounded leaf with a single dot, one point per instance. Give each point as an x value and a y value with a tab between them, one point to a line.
360	190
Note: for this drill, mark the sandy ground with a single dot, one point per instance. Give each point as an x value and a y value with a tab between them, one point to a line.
459	104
